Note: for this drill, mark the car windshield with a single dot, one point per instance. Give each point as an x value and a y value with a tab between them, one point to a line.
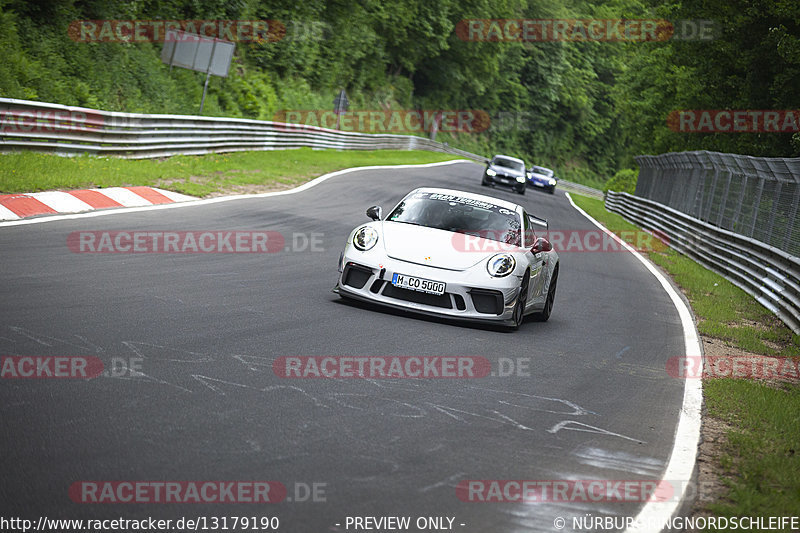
545	171
508	163
460	215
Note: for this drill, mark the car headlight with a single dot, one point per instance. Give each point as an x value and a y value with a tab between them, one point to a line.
490	172
520	179
551	181
501	265
365	238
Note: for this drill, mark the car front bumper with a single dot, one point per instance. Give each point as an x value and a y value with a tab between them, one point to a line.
467	296
541	184
506	181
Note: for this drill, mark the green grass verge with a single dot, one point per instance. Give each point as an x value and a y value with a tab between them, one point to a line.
762	452
761	455
194	175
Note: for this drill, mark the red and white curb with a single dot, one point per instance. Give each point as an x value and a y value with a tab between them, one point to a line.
188	201
17	206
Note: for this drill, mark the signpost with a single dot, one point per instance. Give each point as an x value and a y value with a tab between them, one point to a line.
340	105
194	52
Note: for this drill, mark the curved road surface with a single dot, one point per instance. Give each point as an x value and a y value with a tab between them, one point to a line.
594	403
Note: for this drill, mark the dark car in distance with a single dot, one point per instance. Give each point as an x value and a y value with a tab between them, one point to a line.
506	171
542	178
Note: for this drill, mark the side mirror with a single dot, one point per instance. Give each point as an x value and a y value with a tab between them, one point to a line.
541	245
374	212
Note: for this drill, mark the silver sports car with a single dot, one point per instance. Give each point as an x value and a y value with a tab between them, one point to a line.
455	254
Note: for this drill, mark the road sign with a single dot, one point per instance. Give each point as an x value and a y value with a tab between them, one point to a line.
341	103
203	54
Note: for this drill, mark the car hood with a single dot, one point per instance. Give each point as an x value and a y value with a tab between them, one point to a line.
537	176
437	248
506	171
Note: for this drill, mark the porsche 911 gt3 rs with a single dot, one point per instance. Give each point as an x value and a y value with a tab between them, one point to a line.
454	254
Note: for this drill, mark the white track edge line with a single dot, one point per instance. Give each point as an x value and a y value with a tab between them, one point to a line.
655	515
303	187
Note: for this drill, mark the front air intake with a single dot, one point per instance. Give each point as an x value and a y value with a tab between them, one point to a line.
356	276
487	301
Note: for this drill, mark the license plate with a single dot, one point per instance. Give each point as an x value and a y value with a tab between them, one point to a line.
538	184
418	284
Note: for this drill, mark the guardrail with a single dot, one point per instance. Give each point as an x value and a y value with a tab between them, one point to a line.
580	189
67	130
767	273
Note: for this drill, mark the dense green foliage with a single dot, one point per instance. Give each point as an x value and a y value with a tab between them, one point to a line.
623	181
583	108
752	63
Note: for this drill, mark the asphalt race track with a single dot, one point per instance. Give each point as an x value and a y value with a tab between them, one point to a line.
595	401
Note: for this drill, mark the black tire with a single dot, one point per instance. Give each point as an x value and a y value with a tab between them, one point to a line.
519	308
552	190
545	313
484	183
522	192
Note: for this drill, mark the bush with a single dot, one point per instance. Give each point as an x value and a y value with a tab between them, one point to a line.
623	181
